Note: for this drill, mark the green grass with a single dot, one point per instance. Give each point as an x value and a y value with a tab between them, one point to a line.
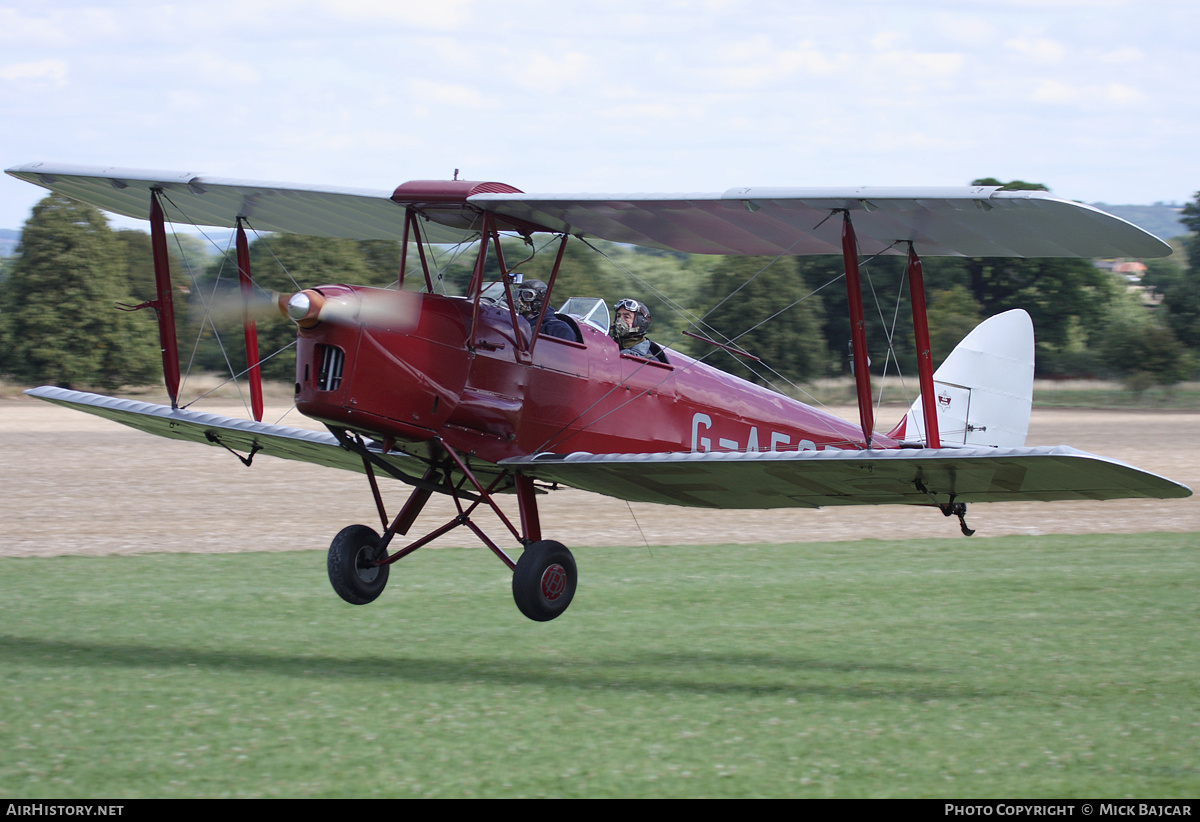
999	667
1079	394
1076	393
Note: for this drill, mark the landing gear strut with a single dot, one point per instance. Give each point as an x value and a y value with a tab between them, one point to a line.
948	509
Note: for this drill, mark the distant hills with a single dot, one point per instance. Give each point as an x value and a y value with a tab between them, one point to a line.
9	237
1161	219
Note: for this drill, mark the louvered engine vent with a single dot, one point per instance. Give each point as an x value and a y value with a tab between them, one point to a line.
331	359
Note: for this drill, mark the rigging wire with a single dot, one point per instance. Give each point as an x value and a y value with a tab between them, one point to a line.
206	303
208	300
443	257
701	324
694	323
633	516
713	333
889	330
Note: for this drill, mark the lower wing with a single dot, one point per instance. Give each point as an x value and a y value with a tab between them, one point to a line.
809	479
246	436
803	479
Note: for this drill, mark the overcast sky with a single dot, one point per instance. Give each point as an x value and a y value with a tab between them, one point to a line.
1098	99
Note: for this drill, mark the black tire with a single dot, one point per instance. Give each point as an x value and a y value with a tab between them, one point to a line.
352	571
544	580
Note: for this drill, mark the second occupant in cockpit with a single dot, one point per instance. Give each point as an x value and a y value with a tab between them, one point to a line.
629	330
530	297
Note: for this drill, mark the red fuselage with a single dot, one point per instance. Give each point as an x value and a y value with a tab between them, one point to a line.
418	371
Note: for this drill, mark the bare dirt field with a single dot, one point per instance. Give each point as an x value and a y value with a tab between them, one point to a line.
74	484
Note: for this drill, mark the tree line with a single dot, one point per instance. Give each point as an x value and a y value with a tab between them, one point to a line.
59	293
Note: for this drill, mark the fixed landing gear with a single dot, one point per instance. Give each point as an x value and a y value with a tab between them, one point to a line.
544	576
543	582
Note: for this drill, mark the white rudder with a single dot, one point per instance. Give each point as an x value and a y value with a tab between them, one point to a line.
984	389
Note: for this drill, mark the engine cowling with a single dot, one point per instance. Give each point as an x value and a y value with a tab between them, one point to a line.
379	360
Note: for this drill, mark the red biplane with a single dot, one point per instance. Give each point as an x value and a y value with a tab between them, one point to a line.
460	395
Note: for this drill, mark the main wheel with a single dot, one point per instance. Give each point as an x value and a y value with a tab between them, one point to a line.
544	580
352	569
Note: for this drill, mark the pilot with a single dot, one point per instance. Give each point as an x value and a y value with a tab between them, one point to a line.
530	296
633	321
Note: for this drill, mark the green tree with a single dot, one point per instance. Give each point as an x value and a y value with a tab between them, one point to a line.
952	314
382	258
1055	291
1140	349
766	307
60	323
674	286
278	263
1181	288
1014	185
885	295
185	254
582	273
1191	218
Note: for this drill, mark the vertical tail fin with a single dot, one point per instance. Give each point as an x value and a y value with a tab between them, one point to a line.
984	389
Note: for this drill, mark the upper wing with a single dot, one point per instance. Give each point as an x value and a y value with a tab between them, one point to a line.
198	199
808	479
980	221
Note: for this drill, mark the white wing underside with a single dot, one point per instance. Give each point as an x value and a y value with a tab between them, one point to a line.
980	221
238	435
197	199
811	479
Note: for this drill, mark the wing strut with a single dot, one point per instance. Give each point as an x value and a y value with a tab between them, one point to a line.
858	333
537	324
163	304
916	287
250	330
412	228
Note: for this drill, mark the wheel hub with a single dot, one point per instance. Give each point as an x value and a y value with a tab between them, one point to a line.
365	564
554	582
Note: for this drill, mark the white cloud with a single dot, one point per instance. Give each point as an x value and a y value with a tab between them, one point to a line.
444	14
544	72
919	65
42	71
1054	92
1123	55
447	97
27	28
1122	94
1040	50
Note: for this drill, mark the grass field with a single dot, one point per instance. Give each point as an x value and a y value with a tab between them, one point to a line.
999	667
1072	393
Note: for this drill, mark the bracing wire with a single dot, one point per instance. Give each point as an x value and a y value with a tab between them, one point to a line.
694	322
207	300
